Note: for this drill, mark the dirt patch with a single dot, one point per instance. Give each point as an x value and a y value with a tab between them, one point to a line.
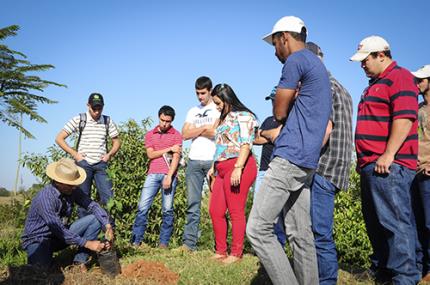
153	272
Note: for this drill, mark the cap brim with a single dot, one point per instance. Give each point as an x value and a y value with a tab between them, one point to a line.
419	74
268	38
50	171
267	98
359	56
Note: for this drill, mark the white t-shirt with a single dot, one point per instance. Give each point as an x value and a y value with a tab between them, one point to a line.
202	148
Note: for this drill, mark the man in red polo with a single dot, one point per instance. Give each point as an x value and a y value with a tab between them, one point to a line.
163	146
386	142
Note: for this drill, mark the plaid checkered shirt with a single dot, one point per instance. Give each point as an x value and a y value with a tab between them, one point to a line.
335	160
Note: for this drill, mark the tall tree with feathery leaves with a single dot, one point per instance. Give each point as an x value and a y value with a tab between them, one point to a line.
19	89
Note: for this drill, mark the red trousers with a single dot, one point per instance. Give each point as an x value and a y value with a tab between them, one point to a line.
223	197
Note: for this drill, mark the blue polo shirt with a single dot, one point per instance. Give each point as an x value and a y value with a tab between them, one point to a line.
301	138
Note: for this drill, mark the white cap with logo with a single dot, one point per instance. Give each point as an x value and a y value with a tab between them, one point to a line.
285	24
423	72
369	45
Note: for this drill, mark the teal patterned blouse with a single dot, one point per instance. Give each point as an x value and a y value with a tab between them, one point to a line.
238	128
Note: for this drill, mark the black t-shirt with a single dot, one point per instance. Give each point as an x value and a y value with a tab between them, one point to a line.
266	153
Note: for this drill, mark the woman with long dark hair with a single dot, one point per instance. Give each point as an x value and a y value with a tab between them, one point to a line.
235	169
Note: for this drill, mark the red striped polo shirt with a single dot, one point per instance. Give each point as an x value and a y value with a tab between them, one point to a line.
157	140
392	95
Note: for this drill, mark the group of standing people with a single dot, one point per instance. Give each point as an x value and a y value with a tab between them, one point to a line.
306	160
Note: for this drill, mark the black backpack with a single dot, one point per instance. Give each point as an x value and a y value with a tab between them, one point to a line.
83	122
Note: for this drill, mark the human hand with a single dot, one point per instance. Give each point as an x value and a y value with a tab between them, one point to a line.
109	235
167	182
94	245
426	170
383	163
79	156
106	157
176	149
235	176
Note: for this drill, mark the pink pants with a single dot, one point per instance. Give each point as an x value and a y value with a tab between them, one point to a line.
223	197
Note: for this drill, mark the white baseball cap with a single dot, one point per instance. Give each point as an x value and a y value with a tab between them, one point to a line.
285	24
423	72
369	45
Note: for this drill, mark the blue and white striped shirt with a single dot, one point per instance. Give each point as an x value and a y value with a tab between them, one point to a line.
48	210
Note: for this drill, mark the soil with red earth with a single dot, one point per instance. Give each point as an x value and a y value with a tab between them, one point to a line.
150	270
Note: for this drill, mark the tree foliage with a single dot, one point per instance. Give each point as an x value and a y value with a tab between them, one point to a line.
19	87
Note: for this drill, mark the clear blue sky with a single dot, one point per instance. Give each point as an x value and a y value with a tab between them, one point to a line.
144	54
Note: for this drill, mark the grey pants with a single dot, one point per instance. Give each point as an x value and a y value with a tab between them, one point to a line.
285	188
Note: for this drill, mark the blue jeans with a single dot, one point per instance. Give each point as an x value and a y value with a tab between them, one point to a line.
152	184
194	177
279	229
87	227
104	185
322	207
386	206
421	206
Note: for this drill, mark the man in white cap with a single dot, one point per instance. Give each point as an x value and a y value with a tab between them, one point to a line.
421	189
286	184
47	229
386	143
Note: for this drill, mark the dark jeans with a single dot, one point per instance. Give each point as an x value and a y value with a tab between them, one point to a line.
322	207
104	185
386	206
40	254
194	177
421	206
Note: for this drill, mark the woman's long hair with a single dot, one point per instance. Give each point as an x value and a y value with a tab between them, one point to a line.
226	94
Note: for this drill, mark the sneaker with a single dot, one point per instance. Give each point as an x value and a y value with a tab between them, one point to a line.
231	259
140	246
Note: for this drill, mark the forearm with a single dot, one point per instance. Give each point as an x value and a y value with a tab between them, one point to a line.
328	131
208	133
174	164
192	132
116	144
152	154
243	155
399	132
61	142
259	139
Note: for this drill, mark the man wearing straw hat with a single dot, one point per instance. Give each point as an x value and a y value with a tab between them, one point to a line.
47	229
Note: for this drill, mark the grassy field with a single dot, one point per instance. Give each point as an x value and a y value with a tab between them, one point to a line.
190	268
7	200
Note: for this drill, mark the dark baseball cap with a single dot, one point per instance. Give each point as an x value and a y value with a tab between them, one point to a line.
96	100
272	94
313	47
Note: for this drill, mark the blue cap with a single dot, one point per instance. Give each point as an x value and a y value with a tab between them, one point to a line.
272	94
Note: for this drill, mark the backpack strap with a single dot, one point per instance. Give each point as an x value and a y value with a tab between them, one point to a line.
82	123
106	121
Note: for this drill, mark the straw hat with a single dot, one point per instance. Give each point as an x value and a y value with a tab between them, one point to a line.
66	171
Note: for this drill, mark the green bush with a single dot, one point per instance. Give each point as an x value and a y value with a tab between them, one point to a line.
350	234
128	171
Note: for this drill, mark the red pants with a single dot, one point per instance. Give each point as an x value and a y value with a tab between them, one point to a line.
222	198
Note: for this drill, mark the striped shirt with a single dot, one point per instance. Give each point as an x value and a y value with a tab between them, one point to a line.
157	141
93	139
335	160
392	95
49	208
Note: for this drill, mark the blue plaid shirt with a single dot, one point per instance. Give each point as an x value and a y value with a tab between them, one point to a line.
49	212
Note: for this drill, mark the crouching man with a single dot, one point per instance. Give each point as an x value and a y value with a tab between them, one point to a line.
47	229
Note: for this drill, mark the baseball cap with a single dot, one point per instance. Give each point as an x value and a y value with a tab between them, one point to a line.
423	72
95	100
272	94
313	47
369	45
285	24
